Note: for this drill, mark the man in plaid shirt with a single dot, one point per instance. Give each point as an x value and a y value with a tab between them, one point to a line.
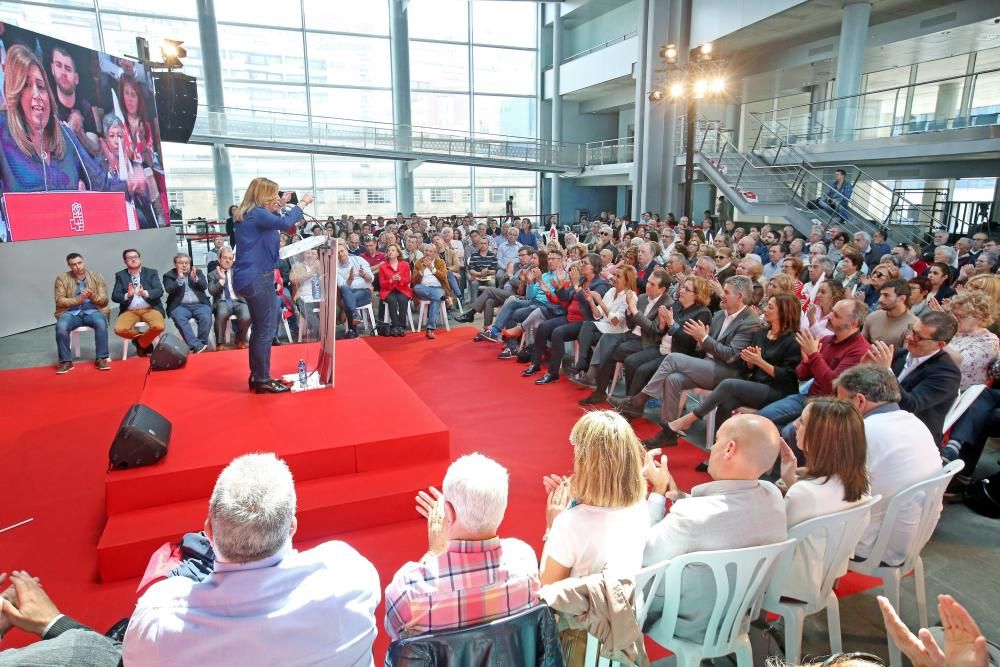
468	575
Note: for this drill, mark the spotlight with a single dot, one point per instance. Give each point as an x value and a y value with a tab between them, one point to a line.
717	85
172	52
669	53
700	87
676	90
655	96
706	49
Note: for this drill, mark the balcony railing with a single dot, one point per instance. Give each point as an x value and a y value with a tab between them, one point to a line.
973	100
235	125
610	151
600	47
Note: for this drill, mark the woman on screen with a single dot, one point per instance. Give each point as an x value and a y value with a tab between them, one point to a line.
37	152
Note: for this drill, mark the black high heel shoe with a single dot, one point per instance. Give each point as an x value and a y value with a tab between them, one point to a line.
271	387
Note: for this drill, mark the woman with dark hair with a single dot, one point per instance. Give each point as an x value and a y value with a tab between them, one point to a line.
231	226
394	288
920	286
831	434
848	270
139	139
939	277
771	359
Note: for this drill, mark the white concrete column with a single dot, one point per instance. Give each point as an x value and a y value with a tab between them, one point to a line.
399	51
208	33
639	77
557	119
850	60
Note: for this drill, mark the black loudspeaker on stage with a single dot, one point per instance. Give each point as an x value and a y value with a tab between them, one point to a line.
176	105
142	439
170	353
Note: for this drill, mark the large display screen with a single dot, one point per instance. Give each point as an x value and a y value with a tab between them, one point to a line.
79	141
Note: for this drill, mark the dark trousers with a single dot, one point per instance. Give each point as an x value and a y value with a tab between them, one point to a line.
976	425
398	303
223	311
734	393
639	368
201	314
629	345
588	337
259	296
557	332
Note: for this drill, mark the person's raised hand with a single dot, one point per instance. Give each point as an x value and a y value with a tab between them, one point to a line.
808	343
751	355
934	304
552	482
557	502
33	610
305	200
631	299
656	472
696	329
964	645
430	505
789	464
811	313
131	290
880	353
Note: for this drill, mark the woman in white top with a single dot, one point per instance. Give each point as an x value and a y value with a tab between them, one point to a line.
831	433
975	310
818	312
609	315
607	525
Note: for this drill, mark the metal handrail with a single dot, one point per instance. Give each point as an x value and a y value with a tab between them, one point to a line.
892	201
804	187
600	47
610	151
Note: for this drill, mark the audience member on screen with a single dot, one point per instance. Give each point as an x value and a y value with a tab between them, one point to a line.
265	603
468	575
81	301
73	109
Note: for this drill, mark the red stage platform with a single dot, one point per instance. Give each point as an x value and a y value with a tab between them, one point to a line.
359	452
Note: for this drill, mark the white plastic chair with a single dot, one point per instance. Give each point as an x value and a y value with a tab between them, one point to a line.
709	418
409	316
932	490
304	321
741	577
367	313
842	532
422	314
74	340
614	380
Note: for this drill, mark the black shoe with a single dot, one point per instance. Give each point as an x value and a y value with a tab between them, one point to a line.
581	378
548	378
665	438
627	406
250	383
466	317
276	342
508	353
531	370
593	399
270	387
701	467
141	351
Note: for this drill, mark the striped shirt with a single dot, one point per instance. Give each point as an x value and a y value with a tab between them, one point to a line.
481	262
472	582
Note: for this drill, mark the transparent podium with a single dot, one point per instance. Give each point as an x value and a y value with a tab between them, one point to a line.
314	279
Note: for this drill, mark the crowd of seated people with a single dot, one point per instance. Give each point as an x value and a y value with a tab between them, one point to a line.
256	599
755	321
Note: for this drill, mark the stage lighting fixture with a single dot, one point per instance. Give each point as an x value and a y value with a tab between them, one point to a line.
706	49
676	90
655	96
718	84
172	52
700	87
669	53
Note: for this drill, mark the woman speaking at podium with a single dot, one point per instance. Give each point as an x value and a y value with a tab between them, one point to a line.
258	231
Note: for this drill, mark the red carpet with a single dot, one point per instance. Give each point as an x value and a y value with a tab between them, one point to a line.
58	430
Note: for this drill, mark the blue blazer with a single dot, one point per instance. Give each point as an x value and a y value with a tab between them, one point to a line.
257	240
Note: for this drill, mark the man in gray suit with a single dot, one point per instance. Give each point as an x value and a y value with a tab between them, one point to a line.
64	640
227	303
732	329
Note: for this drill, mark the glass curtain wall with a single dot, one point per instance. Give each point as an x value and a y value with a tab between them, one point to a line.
472	68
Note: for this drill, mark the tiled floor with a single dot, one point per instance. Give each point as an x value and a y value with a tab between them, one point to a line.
962	559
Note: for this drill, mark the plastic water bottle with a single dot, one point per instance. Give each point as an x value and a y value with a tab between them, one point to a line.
315	287
302	373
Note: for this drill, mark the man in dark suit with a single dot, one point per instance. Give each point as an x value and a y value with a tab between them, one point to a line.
928	377
186	289
64	640
138	290
226	302
646	329
645	266
732	329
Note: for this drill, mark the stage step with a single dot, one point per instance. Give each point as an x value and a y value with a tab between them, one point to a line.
326	507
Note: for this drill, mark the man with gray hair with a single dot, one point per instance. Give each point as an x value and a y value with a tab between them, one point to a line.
901	451
468	575
264	603
731	330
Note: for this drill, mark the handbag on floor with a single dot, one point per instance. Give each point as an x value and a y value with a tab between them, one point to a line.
983	497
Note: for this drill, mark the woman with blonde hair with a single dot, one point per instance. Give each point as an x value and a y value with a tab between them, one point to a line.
974	310
258	227
37	152
990	284
606	527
